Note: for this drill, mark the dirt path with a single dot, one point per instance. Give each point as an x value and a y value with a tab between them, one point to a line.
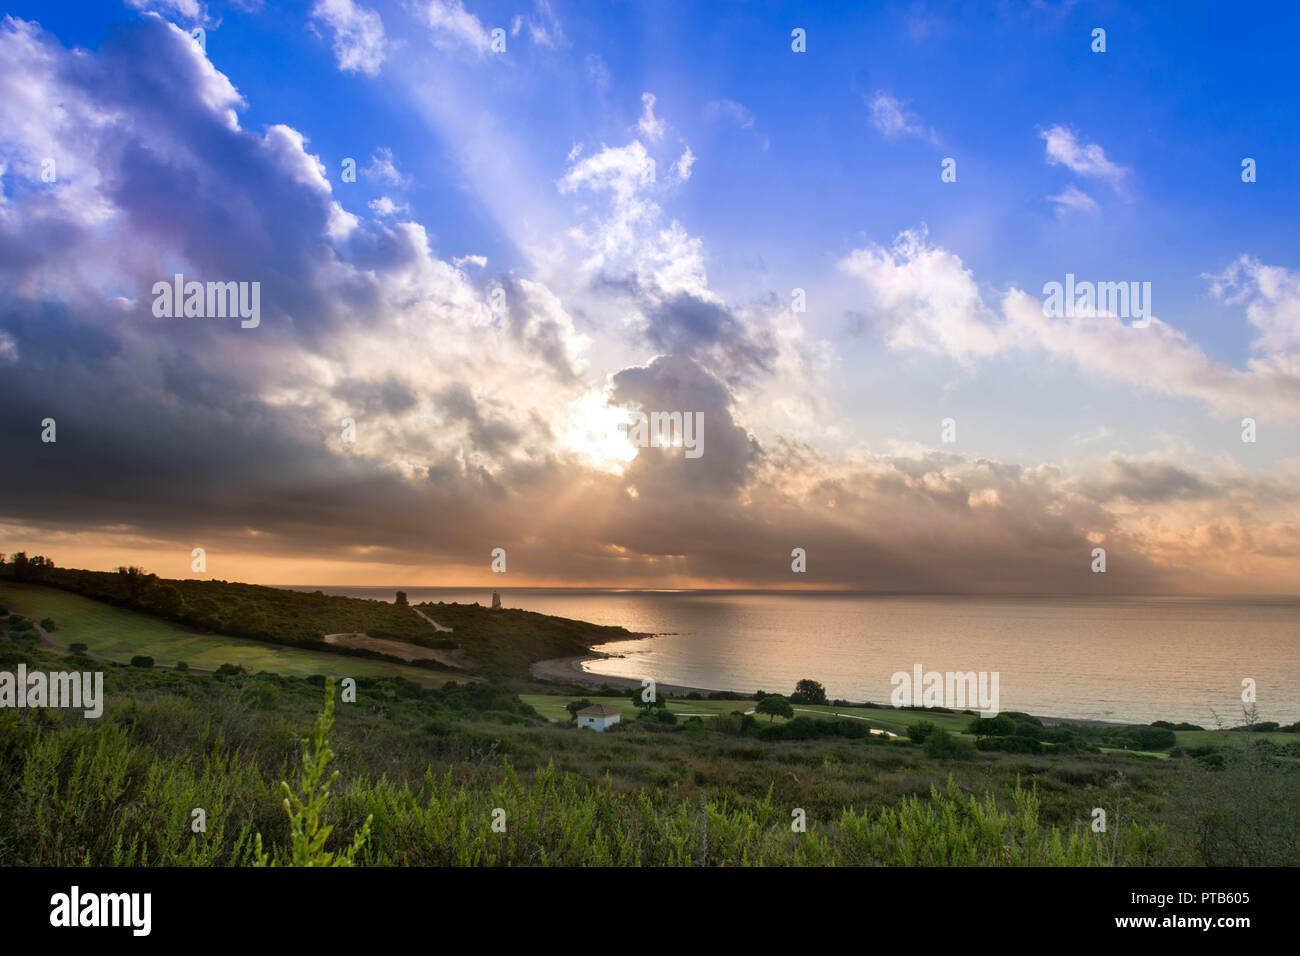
436	625
403	650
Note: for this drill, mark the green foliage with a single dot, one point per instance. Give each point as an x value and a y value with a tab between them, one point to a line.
1138	737
774	705
574	706
808	692
941	745
1003	725
307	831
950	829
918	732
142	660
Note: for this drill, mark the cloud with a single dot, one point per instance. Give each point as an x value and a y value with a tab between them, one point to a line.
738	113
651	127
682	168
1271	295
923	297
358	34
182	433
187	9
598	70
454	26
544	27
1073	199
1063	148
383	169
384	207
893	122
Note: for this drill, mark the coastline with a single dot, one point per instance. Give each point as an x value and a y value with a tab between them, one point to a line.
568	670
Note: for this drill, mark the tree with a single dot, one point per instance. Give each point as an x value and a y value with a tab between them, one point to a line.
401	599
574	706
647	704
944	746
919	731
808	692
999	726
775	706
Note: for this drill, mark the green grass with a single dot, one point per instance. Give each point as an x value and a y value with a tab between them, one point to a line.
1217	738
552	706
120	634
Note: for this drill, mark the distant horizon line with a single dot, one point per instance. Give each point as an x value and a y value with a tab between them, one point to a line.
771	590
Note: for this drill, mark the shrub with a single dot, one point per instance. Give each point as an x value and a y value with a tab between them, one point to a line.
1010	745
142	660
942	745
78	648
920	730
307	835
47	623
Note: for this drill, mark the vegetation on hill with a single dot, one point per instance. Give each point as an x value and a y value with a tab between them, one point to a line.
500	642
505	641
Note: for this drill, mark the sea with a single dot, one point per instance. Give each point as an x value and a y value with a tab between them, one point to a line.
1125	659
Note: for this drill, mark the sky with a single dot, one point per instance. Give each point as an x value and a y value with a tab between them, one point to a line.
485	234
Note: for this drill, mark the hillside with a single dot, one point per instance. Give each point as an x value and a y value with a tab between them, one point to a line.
497	642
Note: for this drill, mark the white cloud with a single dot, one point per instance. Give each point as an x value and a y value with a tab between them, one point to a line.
682	168
385	207
455	26
597	70
1271	295
358	34
544	28
1073	199
1064	148
893	122
925	298
736	112
650	125
189	9
383	168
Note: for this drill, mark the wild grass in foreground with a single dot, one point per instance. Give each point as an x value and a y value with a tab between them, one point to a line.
467	775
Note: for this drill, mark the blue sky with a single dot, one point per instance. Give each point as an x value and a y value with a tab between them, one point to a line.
664	176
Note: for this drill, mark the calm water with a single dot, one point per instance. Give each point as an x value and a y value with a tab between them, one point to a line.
1138	659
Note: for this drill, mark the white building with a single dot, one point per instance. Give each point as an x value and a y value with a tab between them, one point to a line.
598	717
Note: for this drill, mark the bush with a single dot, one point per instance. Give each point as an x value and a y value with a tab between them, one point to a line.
182	666
47	623
920	730
1010	745
78	648
942	745
1003	725
1139	737
142	660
